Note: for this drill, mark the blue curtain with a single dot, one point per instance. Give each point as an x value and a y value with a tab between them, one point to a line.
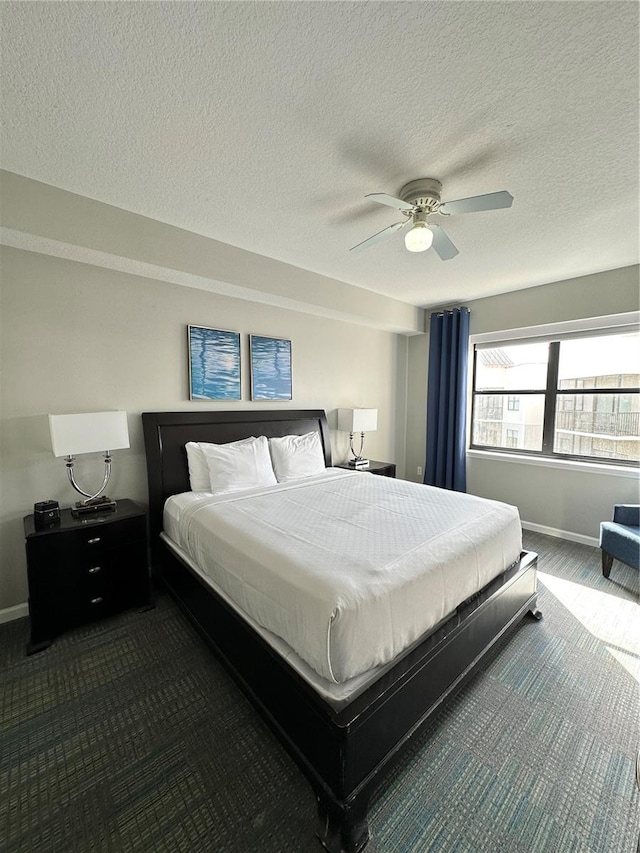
447	400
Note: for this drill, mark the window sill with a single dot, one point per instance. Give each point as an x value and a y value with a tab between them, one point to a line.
560	464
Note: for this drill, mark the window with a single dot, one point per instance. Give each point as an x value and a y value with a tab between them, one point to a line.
572	398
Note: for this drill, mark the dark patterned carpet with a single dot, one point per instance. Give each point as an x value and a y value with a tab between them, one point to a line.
127	735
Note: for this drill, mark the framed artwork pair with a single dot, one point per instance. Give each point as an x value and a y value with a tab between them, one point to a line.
214	365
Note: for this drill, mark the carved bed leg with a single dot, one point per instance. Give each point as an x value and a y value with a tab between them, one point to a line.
343	828
535	614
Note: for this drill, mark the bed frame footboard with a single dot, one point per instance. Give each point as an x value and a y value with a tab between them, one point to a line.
345	754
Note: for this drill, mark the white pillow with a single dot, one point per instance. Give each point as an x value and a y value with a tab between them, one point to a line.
296	456
198	469
239	465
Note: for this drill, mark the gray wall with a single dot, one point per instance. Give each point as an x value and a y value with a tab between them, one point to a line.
76	337
94	305
38	217
558	498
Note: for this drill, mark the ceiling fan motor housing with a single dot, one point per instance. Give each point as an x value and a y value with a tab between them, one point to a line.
423	193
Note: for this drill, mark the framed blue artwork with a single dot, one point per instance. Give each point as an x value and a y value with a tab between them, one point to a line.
214	364
270	368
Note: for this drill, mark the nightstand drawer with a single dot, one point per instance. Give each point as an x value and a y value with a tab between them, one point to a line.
97	598
85	608
88	544
66	573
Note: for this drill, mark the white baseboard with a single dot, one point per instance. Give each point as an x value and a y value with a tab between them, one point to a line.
11	613
561	534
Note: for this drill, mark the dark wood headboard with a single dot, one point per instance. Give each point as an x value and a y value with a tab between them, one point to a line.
166	433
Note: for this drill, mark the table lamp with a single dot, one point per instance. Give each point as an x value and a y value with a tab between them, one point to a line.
91	432
357	420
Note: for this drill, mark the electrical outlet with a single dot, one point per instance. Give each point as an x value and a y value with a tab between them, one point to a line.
419	471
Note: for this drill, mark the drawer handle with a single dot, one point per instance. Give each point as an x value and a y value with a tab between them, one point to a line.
95	569
96	600
94	540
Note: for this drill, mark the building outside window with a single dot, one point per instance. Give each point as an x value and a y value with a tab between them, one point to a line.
578	397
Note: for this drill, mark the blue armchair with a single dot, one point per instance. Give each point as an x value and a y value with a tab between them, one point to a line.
620	538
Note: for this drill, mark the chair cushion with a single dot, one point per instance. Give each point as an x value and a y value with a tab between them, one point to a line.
621	541
628	514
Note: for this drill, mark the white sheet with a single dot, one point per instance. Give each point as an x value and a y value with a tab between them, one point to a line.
349	569
337	695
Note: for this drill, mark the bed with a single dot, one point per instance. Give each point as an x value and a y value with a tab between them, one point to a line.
346	724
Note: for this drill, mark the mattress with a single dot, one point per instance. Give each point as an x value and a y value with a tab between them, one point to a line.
348	569
336	695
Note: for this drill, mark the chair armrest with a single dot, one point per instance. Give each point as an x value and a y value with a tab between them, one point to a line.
628	514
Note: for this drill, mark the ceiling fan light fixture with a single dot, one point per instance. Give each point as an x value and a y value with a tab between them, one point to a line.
421	199
419	238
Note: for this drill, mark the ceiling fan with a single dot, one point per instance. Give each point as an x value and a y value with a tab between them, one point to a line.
418	201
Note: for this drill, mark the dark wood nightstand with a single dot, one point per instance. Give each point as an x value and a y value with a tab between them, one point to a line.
385	469
85	568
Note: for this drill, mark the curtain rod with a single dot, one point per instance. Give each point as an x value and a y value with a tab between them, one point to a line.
440	312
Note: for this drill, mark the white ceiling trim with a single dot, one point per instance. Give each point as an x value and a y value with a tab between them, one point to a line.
629	319
81	254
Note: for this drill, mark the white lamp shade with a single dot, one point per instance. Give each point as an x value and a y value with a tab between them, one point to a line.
92	432
358	420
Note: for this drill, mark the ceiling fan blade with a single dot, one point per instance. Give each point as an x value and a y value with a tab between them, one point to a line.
490	201
442	243
390	201
381	235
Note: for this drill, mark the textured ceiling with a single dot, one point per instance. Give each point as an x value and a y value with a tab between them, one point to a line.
264	124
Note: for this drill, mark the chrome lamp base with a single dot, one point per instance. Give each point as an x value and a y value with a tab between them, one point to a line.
92	507
96	502
358	462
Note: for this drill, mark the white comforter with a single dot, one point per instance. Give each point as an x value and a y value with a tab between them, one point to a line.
348	568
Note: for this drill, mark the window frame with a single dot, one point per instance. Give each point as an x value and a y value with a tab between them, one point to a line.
551	392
